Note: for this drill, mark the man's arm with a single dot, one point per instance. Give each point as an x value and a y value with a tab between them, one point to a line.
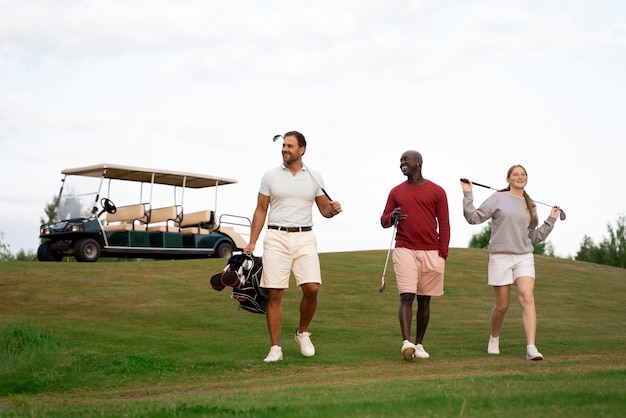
327	208
443	219
258	220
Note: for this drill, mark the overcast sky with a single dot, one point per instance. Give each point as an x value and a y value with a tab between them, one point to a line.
203	86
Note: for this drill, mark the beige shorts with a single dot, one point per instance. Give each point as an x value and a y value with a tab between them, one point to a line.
284	252
419	271
505	269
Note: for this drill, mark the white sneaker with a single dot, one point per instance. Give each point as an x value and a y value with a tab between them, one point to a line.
407	350
275	354
420	352
494	345
532	353
306	346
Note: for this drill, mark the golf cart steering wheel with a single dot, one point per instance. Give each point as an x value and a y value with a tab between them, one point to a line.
108	205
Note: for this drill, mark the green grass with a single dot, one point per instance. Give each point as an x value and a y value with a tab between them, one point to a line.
151	338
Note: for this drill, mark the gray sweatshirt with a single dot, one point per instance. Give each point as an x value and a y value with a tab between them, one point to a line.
510	233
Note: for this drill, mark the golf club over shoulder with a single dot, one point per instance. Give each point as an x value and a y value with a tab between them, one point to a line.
562	215
279	136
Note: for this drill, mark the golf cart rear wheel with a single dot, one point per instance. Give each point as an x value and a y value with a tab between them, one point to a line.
87	250
224	250
46	253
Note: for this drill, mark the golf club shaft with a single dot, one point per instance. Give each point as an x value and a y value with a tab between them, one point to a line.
562	216
382	284
317	182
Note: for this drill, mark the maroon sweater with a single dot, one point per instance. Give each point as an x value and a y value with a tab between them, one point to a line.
427	226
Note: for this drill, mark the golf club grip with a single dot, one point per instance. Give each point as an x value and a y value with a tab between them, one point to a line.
474	183
326	194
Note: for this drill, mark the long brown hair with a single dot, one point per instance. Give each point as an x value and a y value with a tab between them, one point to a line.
532	207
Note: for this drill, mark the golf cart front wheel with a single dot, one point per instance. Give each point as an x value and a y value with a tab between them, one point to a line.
87	250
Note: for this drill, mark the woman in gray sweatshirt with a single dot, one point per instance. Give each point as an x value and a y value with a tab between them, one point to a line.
514	230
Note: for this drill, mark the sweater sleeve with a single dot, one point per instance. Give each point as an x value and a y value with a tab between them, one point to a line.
386	219
473	215
443	219
540	233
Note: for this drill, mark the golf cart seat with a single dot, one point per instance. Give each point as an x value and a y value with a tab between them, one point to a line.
164	219
127	218
201	222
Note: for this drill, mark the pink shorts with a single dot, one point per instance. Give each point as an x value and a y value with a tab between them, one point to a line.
419	271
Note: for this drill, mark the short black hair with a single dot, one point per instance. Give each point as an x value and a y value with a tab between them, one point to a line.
299	137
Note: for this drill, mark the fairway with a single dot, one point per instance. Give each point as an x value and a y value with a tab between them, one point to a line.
151	338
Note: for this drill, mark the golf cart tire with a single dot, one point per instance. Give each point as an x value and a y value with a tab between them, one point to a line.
224	250
46	253
87	250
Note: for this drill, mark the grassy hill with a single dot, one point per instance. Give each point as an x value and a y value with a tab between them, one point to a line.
151	338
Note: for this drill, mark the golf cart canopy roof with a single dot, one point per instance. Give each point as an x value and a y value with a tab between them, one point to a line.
149	175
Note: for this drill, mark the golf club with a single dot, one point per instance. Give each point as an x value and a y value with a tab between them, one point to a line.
276	138
562	216
382	284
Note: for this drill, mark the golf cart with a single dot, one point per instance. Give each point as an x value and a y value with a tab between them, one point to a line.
89	225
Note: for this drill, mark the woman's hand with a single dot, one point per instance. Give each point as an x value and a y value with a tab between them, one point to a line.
466	185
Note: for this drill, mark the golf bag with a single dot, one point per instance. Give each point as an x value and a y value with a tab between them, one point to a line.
243	274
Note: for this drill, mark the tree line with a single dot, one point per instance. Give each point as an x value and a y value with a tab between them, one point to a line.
611	251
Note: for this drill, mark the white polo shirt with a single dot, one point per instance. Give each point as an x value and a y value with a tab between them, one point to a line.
291	197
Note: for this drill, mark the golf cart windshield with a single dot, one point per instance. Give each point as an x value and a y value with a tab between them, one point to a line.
78	198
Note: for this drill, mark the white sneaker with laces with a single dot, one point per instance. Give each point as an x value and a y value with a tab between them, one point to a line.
306	346
407	350
420	352
275	354
532	353
494	345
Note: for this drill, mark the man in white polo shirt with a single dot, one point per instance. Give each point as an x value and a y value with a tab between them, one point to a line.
289	191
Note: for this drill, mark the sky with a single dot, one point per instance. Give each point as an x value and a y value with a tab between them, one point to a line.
203	86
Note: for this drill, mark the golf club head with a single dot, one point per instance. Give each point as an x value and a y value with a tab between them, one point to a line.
381	289
277	137
562	216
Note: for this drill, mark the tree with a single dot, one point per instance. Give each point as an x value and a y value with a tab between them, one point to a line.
481	240
23	255
49	212
610	251
5	249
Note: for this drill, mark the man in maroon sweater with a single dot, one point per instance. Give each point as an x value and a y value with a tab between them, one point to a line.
420	208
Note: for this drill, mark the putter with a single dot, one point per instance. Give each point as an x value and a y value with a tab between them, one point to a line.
562	216
276	138
381	289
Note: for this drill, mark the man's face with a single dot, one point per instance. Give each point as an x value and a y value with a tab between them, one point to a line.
291	150
409	162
